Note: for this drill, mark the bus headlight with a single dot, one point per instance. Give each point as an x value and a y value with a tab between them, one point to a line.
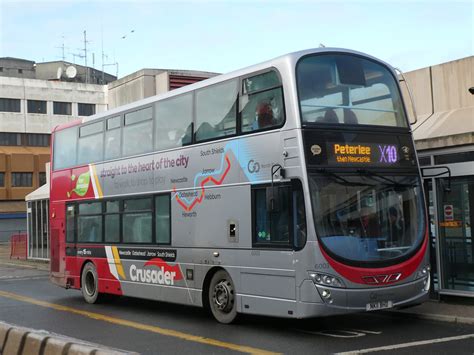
424	272
326	280
427	284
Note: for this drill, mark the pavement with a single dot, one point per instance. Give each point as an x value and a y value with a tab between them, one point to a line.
448	309
452	309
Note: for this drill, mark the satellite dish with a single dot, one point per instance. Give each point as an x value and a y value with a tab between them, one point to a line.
71	72
59	72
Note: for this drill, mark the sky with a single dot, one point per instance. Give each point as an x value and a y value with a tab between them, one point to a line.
222	36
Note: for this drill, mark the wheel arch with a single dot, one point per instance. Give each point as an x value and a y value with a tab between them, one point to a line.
206	283
82	269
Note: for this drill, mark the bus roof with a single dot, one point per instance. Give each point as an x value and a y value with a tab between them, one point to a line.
286	59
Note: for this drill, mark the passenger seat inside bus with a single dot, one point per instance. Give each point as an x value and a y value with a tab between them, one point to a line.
350	117
329	117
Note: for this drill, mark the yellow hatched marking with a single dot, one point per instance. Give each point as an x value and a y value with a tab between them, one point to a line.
118	263
140	326
97	183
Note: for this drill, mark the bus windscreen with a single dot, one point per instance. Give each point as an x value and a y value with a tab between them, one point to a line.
347	89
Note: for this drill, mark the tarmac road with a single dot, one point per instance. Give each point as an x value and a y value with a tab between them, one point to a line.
27	298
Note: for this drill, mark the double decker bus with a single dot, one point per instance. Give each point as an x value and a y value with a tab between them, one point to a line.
289	188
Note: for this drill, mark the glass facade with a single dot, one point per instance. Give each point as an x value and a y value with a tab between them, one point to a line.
38	229
455	211
450	201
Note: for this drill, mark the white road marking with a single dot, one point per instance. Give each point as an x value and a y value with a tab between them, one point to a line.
341	333
333	333
19	265
407	345
22	278
366	331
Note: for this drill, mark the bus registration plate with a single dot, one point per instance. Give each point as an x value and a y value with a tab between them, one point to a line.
374	306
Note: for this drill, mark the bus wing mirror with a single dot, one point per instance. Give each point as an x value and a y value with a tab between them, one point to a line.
273	199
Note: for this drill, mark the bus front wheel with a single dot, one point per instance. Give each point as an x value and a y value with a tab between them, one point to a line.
222	297
90	283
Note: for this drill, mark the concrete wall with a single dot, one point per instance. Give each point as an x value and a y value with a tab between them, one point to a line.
49	71
148	82
49	91
133	87
451	82
444	105
10	68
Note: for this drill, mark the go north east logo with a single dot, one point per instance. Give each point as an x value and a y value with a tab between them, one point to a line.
82	184
161	274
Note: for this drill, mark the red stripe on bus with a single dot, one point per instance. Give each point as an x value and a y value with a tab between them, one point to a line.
357	274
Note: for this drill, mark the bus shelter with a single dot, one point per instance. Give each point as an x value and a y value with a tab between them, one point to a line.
37	207
448	173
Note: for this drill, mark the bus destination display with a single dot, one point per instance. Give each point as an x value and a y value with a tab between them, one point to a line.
337	149
363	153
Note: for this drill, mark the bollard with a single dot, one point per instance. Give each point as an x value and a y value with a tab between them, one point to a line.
33	343
3	335
15	341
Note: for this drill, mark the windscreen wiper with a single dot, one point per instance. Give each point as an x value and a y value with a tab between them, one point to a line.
339	179
373	175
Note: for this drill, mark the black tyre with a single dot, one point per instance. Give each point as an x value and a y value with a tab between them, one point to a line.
222	298
90	283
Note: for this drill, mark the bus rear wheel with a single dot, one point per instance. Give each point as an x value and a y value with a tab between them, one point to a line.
90	283
222	302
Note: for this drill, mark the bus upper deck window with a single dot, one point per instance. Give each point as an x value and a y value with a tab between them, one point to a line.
348	89
262	103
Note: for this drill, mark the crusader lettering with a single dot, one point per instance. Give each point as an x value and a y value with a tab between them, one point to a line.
152	276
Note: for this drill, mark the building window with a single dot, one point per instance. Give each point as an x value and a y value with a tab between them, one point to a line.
453	158
10	139
37	140
41	179
62	108
22	179
424	161
20	71
36	106
9	105
86	109
1	69
2	179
